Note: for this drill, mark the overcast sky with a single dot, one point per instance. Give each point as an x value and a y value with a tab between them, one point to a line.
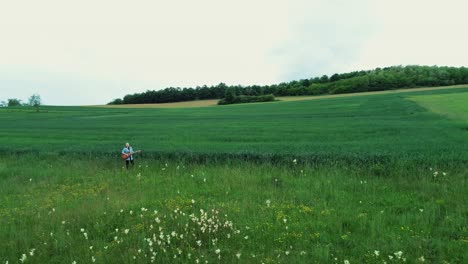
92	51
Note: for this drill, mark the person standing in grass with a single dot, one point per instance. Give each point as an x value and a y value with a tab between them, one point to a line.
128	149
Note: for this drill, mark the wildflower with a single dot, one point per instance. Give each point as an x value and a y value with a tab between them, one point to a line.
217	251
91	248
193	201
390	257
421	210
286	252
204	179
30	179
422	259
32	252
268	202
398	254
444	173
376	253
126	231
23	258
63	222
82	230
302	253
199	243
74	262
295	161
131	212
246	237
285	220
121	210
85	235
346	261
238	255
93	259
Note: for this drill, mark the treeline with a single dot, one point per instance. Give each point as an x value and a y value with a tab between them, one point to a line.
230	97
379	79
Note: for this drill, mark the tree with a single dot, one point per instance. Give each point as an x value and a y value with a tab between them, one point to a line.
14	102
35	100
230	95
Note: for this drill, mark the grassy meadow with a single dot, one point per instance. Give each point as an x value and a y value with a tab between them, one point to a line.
364	179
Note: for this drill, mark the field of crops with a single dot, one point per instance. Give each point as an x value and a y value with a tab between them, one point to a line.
364	179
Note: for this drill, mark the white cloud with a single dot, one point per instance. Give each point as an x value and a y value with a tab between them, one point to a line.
89	52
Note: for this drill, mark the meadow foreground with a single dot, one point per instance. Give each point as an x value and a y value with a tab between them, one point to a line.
66	209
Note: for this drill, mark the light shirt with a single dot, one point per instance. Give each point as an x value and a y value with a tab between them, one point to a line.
126	150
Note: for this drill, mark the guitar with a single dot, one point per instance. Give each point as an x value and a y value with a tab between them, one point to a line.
126	155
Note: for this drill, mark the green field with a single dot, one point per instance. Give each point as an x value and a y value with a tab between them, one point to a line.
365	179
388	125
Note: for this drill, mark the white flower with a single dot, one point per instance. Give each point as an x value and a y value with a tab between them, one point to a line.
285	220
238	255
444	173
421	210
74	262
376	253
422	259
23	258
217	251
32	252
302	253
286	252
268	202
398	254
294	161
63	222
246	237
91	248
131	212
93	259
82	229
346	261
390	257
193	201
199	243
85	235
126	231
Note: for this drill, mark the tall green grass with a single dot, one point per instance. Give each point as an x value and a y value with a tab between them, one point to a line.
289	213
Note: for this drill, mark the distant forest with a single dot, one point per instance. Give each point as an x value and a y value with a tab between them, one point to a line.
379	79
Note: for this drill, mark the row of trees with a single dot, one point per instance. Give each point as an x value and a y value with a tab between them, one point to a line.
379	79
34	100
